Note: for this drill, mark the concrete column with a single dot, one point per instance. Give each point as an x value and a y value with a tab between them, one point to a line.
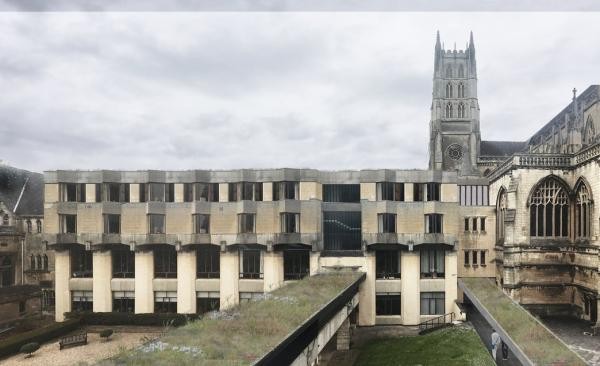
268	191
90	192
314	263
273	270
102	274
230	277
343	336
134	193
186	282
178	192
450	282
144	273
366	293
223	192
411	296
62	274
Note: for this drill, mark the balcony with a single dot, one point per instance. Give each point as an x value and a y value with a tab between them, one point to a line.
61	239
409	238
246	238
194	239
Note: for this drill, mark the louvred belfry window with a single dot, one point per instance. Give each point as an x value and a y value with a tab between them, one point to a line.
549	210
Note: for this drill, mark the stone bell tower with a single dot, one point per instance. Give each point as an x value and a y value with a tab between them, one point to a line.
454	127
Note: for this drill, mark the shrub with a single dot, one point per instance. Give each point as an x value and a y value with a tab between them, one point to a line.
133	319
13	344
106	333
29	348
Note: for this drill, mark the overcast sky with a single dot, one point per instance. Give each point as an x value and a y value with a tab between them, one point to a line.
264	90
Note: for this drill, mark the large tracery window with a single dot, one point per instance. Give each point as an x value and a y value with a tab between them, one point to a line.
583	211
500	216
449	91
449	110
549	210
461	110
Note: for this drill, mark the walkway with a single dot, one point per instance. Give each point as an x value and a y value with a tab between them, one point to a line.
572	332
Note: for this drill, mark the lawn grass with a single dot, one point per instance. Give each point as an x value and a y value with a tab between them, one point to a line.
541	346
245	333
458	345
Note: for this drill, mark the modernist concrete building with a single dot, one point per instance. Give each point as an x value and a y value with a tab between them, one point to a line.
191	241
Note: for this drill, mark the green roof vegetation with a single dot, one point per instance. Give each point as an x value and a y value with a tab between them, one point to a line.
243	334
540	345
458	345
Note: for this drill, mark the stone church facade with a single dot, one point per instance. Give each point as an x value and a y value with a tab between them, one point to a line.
192	241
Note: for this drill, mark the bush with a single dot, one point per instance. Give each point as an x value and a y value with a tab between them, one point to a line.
133	319
106	333
13	344
29	348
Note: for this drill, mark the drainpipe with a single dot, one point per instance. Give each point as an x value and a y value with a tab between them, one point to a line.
22	261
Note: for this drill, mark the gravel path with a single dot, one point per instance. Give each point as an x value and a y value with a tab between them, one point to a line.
94	351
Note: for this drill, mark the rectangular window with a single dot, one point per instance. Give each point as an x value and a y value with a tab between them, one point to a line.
72	192
432	263
387	264
466	224
165	262
433	223
246	223
188	192
482	226
433	303
246	297
342	230
201	223
156	224
81	301
98	193
245	191
112	224
290	222
123	263
474	223
251	264
386	223
285	191
207	301
116	192
81	262
68	224
208	192
165	301
123	301
341	193
389	191
466	257
387	303
433	191
482	258
418	192
474	257
208	261
143	188
295	264
156	192
473	195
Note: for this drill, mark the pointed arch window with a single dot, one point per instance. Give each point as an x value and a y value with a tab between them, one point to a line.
449	71
5	220
32	263
501	205
461	110
38	225
39	262
29	227
45	262
549	210
461	90
449	110
583	211
449	91
461	71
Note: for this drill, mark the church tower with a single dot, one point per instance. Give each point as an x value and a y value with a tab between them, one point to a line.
454	127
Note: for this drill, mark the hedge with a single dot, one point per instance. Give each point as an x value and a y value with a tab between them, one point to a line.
13	344
150	319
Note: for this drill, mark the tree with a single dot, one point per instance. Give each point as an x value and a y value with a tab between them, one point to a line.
29	348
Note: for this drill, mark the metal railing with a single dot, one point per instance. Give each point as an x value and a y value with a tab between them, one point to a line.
435	323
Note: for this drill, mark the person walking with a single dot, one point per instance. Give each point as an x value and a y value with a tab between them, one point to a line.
495	341
504	351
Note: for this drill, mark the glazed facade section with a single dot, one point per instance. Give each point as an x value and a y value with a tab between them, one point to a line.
192	241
